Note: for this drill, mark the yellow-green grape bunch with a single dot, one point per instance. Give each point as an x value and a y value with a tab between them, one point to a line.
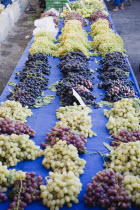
15	148
68	38
14	110
44	42
132	186
125	115
126	158
76	117
8	177
105	39
63	158
61	189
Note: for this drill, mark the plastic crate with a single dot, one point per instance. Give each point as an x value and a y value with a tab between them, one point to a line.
58	5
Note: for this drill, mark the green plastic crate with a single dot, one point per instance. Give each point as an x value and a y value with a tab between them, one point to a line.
58	5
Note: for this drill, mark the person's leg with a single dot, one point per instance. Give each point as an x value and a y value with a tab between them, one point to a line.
122	4
116	3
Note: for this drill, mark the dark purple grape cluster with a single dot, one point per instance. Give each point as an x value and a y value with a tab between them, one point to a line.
98	14
8	126
74	16
3	197
52	14
107	191
117	89
74	62
25	191
65	134
32	80
124	137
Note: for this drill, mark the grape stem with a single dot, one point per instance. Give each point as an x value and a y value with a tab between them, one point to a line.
19	194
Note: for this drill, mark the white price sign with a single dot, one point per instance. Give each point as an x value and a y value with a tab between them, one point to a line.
78	98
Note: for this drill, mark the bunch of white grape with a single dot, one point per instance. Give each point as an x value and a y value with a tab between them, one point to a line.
132	186
61	189
125	115
15	148
8	177
126	158
14	110
63	158
76	117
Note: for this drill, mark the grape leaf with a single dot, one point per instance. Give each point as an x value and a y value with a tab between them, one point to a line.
53	86
136	102
12	84
105	103
45	100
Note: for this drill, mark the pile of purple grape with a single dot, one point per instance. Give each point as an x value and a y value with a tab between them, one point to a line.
3	197
65	134
107	191
98	15
124	137
74	16
8	126
25	191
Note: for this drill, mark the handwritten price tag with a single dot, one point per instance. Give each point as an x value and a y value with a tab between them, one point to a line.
78	98
68	7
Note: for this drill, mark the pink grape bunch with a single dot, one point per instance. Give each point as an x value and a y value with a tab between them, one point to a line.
25	191
125	136
107	191
9	126
65	134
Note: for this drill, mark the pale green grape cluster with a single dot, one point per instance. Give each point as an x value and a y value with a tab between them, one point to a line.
125	115
61	189
63	158
126	158
132	186
14	110
15	148
44	42
105	39
76	117
8	177
69	41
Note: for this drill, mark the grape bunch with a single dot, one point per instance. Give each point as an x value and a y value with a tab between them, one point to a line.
107	191
25	191
65	134
68	39
125	158
132	187
62	188
74	62
32	80
3	197
9	126
98	14
125	115
8	177
74	16
76	117
53	15
125	136
63	158
15	148
14	110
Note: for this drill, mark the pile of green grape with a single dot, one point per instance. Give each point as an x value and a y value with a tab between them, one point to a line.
125	158
14	110
76	117
44	42
125	115
15	148
62	188
68	38
105	39
63	158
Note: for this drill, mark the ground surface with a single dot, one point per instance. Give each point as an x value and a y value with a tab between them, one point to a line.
126	22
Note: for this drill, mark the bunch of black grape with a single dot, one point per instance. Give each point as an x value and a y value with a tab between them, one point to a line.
74	16
98	14
107	191
65	134
125	136
25	191
74	62
8	126
32	80
3	197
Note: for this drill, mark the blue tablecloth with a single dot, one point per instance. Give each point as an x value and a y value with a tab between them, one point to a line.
44	118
